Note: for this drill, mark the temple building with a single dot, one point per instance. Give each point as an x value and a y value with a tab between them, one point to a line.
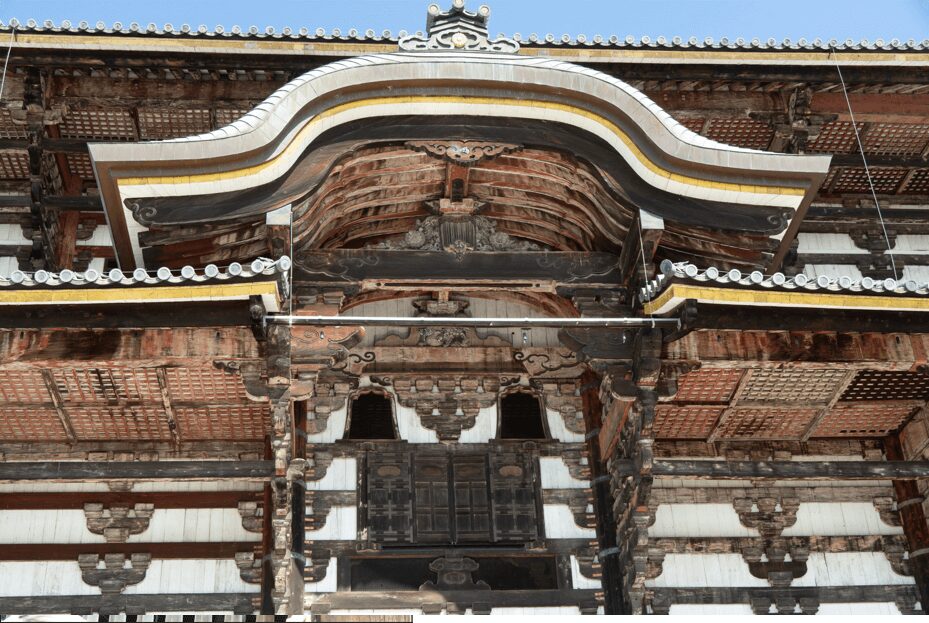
318	323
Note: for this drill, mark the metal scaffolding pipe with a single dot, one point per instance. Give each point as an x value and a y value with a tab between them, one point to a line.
453	321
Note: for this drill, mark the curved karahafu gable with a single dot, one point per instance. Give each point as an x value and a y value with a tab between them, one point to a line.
309	123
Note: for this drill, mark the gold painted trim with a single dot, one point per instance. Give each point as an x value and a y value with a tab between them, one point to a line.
117	294
678	293
318	119
251	45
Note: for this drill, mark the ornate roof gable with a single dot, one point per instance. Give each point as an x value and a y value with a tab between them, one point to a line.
457	29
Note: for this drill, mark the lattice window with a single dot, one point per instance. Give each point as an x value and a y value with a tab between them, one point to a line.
895	139
14	164
161	123
23	386
865	419
119	423
10	129
694	124
765	423
99	123
109	385
835	137
792	385
918	184
457	497
205	385
749	133
223	422
690	422
226	116
887	385
707	385
854	180
79	165
30	424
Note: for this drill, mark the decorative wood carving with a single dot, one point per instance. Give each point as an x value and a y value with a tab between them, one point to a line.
457	29
565	398
443	337
768	515
252	516
328	396
464	153
458	234
545	362
447	405
116	574
770	562
117	522
454	573
887	509
249	567
580	501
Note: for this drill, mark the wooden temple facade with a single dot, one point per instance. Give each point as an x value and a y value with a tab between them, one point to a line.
311	323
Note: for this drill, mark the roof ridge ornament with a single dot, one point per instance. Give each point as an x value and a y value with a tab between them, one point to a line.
457	29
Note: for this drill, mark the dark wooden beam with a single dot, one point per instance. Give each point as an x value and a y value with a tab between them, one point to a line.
145	470
913	520
824	594
515	270
161	499
785	470
127	315
812	319
239	603
70	551
83	203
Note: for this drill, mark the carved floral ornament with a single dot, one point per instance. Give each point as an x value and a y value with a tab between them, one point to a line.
457	29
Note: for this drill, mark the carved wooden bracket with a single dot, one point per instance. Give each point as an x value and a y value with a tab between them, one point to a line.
116	523
454	573
115	575
447	405
317	465
317	564
249	567
768	515
328	396
577	462
771	562
565	398
464	153
252	516
588	563
887	509
895	550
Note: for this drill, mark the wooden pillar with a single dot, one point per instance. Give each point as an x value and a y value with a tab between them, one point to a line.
912	517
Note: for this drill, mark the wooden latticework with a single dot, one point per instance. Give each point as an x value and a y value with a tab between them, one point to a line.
223	422
99	123
708	385
31	424
887	385
855	180
23	387
918	182
895	139
791	385
749	133
835	137
865	419
204	385
107	385
116	423
689	422
161	123
79	165
14	164
765	423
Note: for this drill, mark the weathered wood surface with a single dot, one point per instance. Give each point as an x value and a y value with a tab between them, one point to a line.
127	315
414	599
239	603
161	499
824	594
147	470
785	470
70	551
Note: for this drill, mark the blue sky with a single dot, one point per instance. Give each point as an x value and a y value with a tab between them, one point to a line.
827	19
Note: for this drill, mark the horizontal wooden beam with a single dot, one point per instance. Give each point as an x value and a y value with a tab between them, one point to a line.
824	594
239	603
376	600
160	499
70	551
727	317
83	203
126	315
785	470
398	268
144	470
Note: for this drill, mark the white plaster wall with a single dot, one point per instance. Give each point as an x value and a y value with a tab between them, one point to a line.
704	609
335	427
839	519
190	525
912	244
698	520
556	610
828	243
46	526
192	576
341	476
559	524
705	570
8	263
919	274
850	569
555	474
833	271
409	426
328	584
579	580
101	237
558	430
859	608
38	578
484	429
195	486
341	525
